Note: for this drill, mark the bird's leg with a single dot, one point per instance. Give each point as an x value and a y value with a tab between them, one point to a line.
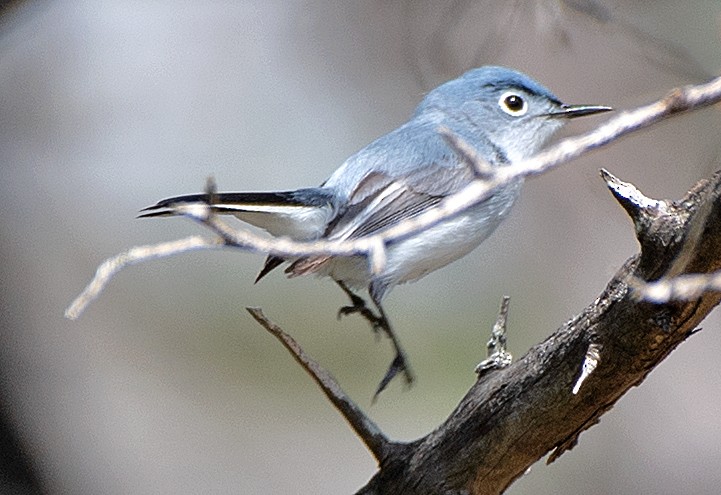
379	322
358	305
400	361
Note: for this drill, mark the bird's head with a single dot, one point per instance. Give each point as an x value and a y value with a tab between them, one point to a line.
512	111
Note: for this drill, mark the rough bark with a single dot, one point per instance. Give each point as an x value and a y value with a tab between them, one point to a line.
513	416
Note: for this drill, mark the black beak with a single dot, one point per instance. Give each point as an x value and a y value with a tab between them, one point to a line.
573	111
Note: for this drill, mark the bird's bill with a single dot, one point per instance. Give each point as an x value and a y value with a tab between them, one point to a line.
573	111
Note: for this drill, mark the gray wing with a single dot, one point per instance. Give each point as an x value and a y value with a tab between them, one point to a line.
385	202
394	178
399	175
381	201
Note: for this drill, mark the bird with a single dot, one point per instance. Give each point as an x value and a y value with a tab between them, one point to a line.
502	114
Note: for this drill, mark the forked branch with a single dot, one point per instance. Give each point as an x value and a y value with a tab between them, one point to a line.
514	415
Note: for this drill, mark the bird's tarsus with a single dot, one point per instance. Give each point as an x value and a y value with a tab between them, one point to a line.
379	322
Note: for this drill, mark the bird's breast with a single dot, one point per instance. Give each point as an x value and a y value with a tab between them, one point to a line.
413	257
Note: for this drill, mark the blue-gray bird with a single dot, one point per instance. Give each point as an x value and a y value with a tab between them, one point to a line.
502	114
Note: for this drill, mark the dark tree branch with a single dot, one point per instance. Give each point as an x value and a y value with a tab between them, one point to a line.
515	415
512	417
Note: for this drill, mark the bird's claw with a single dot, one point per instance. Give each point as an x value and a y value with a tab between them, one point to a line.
398	365
359	307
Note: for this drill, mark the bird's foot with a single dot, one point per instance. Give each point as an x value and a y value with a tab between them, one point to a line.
398	365
358	306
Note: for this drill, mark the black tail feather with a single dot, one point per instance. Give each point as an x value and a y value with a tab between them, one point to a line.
227	202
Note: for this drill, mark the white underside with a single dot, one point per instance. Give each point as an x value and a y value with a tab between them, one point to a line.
406	260
427	251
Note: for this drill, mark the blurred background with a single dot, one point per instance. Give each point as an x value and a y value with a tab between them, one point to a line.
165	384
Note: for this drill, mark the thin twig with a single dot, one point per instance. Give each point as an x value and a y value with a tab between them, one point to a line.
590	361
498	355
132	256
366	429
467	153
679	288
373	246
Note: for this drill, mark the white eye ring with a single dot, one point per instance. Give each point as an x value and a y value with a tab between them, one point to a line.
513	104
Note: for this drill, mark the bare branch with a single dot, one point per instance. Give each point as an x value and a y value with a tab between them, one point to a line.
479	166
366	429
373	246
513	416
673	285
593	356
132	256
680	288
498	356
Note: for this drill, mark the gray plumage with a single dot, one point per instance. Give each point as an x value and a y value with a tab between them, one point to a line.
504	115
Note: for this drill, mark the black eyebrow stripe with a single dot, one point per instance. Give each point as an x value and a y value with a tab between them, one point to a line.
513	85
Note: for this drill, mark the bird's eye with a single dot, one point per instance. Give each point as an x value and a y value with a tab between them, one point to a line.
513	104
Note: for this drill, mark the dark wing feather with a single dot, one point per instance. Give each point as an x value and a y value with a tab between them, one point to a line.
270	264
381	200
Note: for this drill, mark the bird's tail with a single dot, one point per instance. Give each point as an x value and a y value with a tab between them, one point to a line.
302	214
